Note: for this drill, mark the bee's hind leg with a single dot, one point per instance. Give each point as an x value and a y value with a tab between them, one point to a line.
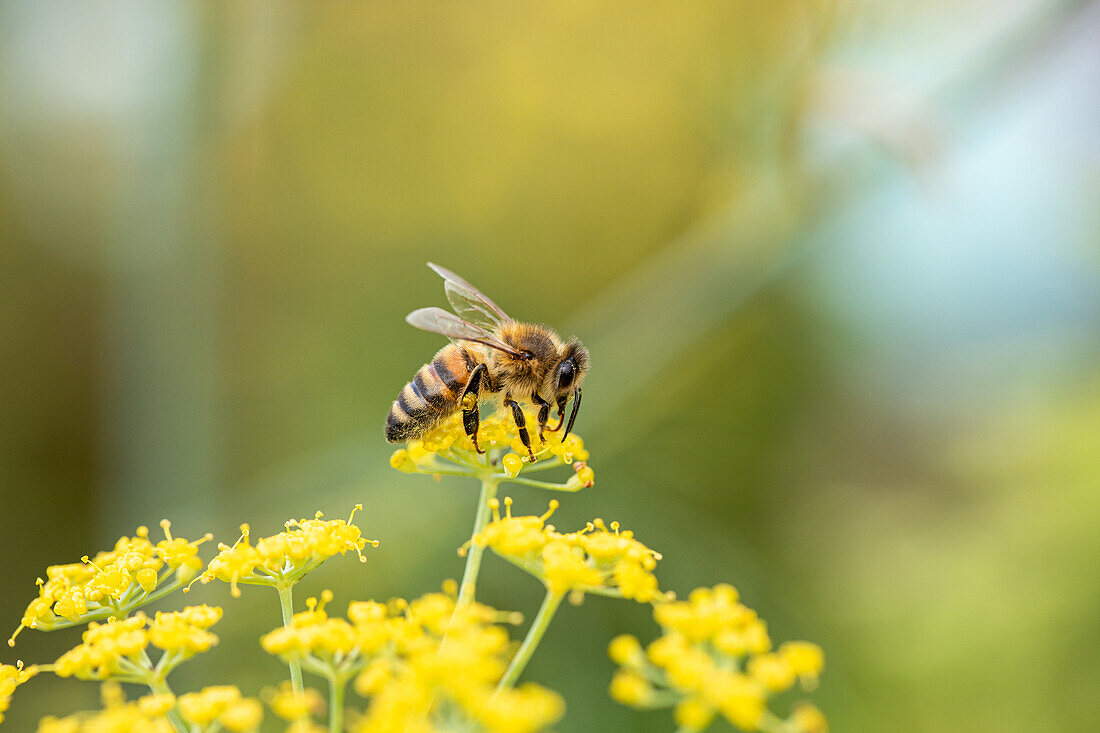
521	424
471	417
544	413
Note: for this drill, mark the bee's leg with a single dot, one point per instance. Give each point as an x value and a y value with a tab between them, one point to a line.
521	424
471	417
561	412
573	414
544	413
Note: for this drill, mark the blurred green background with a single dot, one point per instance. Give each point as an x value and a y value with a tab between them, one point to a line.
837	263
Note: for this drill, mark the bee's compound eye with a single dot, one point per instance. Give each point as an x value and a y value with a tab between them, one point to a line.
565	374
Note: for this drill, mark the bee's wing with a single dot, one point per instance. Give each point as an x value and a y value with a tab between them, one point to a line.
440	321
469	302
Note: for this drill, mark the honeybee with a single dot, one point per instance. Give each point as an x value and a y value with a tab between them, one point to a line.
490	354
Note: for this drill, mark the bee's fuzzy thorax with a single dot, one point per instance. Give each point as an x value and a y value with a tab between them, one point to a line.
539	346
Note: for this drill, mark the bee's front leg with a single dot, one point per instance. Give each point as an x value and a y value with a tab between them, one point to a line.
544	413
561	402
521	424
471	417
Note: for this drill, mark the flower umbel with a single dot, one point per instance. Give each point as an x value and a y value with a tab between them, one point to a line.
439	668
715	657
113	583
597	559
446	450
117	649
283	558
215	708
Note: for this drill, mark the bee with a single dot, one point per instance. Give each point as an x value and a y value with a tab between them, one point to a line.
491	355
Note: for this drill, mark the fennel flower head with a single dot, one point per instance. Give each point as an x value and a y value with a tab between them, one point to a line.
446	449
715	657
213	708
600	558
112	583
115	648
284	558
423	664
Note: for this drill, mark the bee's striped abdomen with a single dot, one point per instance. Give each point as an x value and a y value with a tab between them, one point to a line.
431	396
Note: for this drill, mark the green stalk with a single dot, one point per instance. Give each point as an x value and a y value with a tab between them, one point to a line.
286	602
489	486
160	687
336	683
534	636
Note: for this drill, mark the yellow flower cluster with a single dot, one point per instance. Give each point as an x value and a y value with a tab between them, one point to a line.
447	445
285	557
294	706
114	582
214	708
10	678
421	663
715	657
443	671
597	559
117	648
224	705
144	715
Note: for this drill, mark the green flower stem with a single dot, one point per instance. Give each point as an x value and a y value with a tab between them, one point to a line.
336	684
286	602
771	724
160	687
489	486
554	462
534	635
431	471
543	484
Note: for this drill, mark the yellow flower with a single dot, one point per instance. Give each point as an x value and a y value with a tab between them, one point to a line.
630	688
446	448
525	709
10	678
116	648
565	568
594	559
741	700
113	583
155	705
146	715
287	556
104	648
439	668
184	632
206	706
291	705
374	677
692	713
243	715
772	671
706	639
805	659
808	719
624	650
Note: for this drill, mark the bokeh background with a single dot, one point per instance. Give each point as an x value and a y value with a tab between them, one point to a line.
837	263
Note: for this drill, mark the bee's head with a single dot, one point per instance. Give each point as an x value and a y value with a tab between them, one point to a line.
571	369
